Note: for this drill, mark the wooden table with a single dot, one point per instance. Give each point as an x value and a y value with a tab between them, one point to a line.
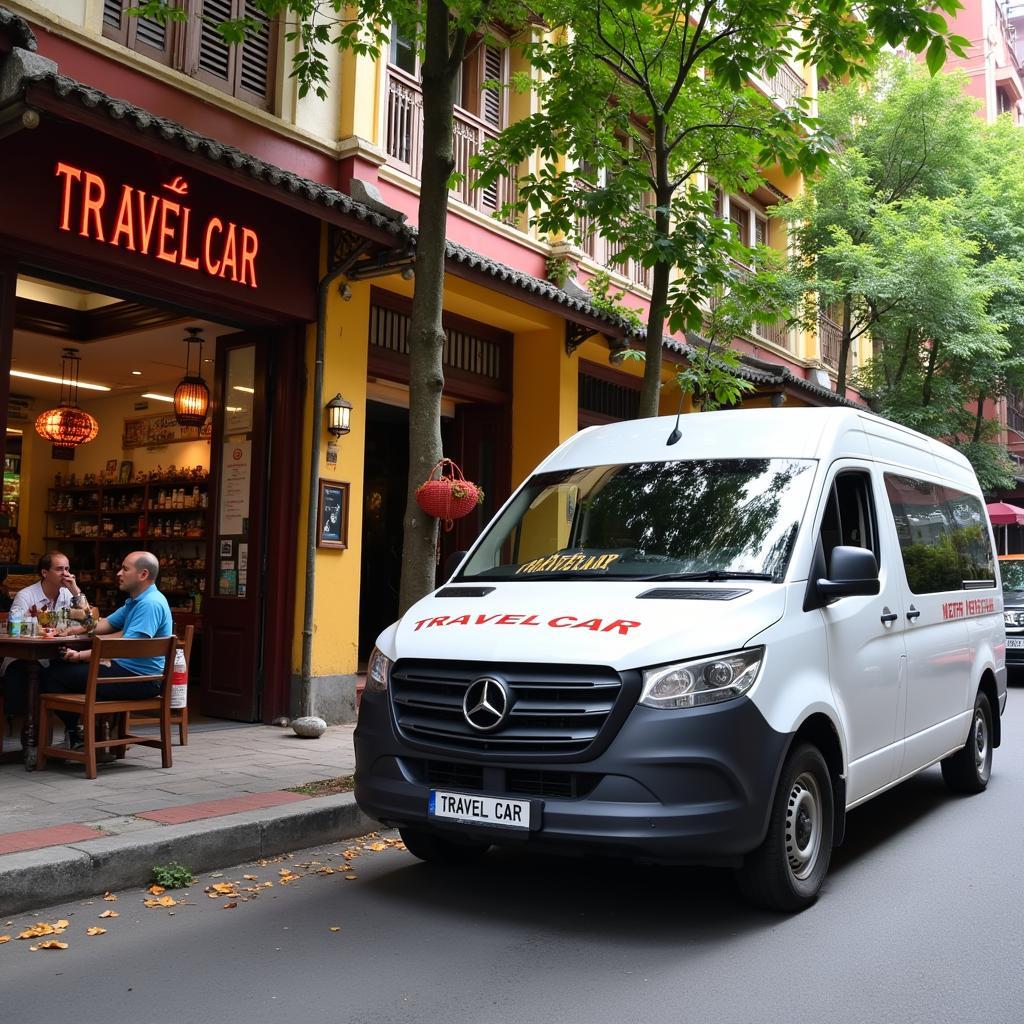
34	649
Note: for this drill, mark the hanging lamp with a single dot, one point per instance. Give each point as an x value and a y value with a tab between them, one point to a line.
67	426
192	396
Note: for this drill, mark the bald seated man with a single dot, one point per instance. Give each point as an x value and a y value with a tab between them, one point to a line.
144	614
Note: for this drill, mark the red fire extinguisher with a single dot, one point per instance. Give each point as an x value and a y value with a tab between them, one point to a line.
179	680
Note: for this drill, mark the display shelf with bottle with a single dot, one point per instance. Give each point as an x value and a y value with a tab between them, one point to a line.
103	522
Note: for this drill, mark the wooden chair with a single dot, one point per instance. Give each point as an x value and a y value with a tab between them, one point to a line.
90	709
179	716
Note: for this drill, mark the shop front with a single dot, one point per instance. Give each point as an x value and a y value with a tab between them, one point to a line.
119	243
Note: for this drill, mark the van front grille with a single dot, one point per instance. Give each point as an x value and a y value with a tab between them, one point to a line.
552	710
511	782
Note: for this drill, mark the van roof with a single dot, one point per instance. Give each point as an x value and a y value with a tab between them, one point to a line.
824	434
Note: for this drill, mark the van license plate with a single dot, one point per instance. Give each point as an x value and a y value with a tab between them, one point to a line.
479	810
1014	643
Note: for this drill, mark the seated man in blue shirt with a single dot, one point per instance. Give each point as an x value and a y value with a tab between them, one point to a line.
145	614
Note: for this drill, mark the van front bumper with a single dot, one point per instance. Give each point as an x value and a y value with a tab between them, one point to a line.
686	786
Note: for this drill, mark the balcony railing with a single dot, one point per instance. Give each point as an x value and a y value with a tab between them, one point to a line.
830	339
405	143
785	86
603	252
777	332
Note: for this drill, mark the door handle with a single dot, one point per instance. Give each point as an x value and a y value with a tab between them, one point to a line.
888	617
913	614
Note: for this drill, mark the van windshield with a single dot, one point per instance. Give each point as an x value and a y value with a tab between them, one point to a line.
698	518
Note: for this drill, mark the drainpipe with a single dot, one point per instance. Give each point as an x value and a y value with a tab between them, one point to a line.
305	683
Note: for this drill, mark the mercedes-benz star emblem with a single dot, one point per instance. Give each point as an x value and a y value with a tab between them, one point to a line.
486	704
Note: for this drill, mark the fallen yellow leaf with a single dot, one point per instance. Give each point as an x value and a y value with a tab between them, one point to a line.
288	876
161	901
229	906
4	938
335	928
221	889
110	913
325	871
351	878
250	878
49	944
156	890
377	847
109	897
95	931
38	930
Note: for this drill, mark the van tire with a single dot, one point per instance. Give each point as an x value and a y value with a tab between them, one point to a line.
970	768
434	849
786	871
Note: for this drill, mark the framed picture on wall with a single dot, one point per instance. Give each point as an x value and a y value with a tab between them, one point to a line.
332	515
125	475
110	476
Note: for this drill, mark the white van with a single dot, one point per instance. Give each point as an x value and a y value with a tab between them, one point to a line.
705	651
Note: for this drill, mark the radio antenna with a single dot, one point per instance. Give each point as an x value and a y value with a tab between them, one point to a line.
676	432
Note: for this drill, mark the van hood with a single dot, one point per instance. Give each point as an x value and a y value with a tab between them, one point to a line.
623	625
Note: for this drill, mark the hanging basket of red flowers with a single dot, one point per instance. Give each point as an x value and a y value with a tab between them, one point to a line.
450	495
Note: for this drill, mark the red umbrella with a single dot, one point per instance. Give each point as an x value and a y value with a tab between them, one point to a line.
1002	513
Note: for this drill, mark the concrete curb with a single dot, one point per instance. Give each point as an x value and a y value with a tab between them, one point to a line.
58	874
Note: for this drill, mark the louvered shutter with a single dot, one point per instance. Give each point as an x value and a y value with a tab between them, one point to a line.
245	70
144	35
494	66
256	64
215	56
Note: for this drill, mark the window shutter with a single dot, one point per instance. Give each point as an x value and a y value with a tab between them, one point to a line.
255	59
494	64
144	35
112	17
214	53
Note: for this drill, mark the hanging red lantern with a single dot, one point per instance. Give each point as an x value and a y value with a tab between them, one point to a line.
449	497
67	425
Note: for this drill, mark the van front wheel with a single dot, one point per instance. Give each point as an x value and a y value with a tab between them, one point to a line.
786	871
969	769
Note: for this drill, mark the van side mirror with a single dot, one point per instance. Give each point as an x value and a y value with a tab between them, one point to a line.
854	573
451	563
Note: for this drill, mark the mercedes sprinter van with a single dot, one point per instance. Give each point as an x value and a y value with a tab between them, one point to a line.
697	649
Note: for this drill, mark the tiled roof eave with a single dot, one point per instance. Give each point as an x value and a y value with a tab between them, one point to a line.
19	29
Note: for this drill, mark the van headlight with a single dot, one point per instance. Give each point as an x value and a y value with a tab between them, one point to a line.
688	684
378	672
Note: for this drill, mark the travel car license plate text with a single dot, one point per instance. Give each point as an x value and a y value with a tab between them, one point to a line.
1015	642
479	810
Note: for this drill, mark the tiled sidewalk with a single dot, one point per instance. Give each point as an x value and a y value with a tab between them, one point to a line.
226	768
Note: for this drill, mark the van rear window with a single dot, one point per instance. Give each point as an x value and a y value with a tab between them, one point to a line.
943	536
696	518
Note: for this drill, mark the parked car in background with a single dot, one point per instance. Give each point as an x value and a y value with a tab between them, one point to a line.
1011	569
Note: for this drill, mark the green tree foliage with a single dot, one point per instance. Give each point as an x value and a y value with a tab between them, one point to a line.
639	101
913	236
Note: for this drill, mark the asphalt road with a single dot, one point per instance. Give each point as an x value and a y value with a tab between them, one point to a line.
921	920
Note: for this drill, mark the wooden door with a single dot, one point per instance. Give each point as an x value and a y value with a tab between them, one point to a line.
233	611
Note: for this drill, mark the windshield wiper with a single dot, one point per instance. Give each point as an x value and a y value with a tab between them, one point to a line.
709	576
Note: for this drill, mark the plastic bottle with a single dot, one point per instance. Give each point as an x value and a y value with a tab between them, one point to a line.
179	681
15	623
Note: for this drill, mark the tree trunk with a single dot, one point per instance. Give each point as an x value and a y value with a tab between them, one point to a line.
979	418
426	333
844	346
926	390
650	394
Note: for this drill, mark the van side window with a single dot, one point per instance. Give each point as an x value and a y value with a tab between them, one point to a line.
943	536
849	516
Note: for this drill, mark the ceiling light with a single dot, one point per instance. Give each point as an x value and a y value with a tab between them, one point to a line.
136	373
159	398
66	425
192	396
13	430
82	385
242	387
